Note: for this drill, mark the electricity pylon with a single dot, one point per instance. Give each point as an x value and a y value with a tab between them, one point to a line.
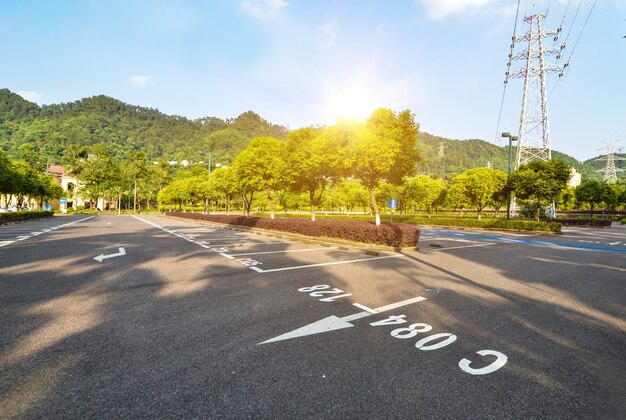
610	171
534	130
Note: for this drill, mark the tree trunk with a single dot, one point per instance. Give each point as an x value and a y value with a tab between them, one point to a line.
374	206
312	203
135	199
271	203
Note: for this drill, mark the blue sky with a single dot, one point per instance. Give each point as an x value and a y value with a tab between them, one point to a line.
305	62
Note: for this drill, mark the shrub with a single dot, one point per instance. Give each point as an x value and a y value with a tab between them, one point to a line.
390	234
25	215
586	222
500	224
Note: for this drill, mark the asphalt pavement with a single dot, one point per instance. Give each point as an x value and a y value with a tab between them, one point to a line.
143	317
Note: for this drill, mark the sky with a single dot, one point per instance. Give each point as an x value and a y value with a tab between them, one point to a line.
308	62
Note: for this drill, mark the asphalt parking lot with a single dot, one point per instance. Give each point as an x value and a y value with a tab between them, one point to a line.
153	317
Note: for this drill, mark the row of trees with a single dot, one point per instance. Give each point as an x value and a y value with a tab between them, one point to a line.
25	180
382	149
536	186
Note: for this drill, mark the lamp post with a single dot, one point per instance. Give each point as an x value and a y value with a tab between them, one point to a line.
508	203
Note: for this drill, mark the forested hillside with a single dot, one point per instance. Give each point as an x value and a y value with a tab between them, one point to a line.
51	129
445	158
123	128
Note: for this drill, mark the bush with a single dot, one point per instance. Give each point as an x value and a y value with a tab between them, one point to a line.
586	222
500	224
391	234
25	215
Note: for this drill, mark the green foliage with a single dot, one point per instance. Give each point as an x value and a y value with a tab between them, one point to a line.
384	148
540	183
312	157
24	215
499	224
593	193
481	187
123	128
260	168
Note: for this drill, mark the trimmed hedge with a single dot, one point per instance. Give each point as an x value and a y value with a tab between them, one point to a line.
586	222
468	222
500	224
24	215
391	234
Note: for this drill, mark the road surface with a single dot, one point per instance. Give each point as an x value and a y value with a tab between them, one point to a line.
147	316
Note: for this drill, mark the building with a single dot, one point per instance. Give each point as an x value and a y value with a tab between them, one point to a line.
574	178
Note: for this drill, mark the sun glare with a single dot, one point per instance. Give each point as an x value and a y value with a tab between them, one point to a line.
356	97
353	102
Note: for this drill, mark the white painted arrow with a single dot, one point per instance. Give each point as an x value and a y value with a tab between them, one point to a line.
101	257
333	322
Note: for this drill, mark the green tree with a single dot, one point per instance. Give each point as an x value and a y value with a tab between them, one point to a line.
260	168
539	183
225	184
424	191
311	160
593	193
135	168
97	172
481	186
384	148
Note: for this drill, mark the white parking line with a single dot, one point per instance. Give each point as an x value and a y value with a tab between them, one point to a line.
281	252
259	270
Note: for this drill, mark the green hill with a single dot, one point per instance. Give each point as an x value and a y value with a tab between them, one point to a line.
123	128
50	129
444	158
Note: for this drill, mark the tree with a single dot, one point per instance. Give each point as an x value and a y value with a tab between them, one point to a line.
225	183
384	148
135	168
97	172
311	159
592	192
424	191
539	183
481	186
260	168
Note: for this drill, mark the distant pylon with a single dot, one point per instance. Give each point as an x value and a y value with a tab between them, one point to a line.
441	149
610	171
534	130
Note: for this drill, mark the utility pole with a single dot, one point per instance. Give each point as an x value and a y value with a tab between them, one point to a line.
610	171
534	130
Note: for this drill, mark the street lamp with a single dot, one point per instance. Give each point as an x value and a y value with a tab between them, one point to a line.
508	203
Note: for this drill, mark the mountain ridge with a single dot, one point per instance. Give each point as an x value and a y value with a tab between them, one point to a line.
123	128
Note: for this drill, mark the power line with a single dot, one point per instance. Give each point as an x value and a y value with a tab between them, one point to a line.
496	136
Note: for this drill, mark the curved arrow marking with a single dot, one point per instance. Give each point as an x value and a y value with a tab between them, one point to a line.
101	257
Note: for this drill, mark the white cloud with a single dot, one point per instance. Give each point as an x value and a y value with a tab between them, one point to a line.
439	9
31	95
326	34
264	9
140	81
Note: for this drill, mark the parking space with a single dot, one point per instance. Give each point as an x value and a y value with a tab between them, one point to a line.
266	252
12	233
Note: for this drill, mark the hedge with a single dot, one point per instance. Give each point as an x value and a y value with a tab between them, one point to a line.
500	224
24	215
487	223
396	235
586	222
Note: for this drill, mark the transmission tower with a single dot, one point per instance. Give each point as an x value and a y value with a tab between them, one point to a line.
534	131
610	171
441	149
